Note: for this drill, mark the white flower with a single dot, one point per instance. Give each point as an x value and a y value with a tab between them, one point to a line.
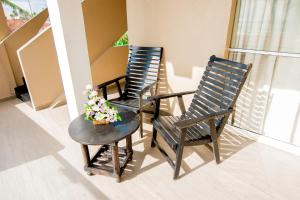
93	94
95	108
89	87
102	100
91	102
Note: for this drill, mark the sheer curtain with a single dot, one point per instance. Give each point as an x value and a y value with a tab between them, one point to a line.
271	26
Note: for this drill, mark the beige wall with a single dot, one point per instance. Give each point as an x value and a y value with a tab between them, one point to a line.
20	37
105	22
190	31
110	65
4	31
40	68
7	82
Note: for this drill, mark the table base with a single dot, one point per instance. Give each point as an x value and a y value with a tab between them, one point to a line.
109	159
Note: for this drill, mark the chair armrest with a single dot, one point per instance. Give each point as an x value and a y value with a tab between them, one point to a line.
165	96
147	88
190	122
110	82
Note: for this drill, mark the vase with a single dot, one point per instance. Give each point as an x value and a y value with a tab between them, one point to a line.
100	122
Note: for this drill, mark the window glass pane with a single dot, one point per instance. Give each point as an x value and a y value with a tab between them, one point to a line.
267	25
283	112
252	102
269	103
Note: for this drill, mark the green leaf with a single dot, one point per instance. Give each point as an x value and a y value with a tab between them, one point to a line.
123	41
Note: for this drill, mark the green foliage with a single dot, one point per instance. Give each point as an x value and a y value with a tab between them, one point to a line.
17	11
123	41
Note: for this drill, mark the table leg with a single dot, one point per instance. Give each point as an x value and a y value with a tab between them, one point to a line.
129	147
86	157
116	162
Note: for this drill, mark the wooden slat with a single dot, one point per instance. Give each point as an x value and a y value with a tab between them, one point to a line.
137	67
145	48
207	109
142	77
221	79
139	81
229	88
148	61
205	102
197	111
217	96
144	65
227	68
141	72
145	56
232	63
213	100
217	89
136	87
225	73
153	53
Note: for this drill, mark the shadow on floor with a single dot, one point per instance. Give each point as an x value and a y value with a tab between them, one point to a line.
23	141
230	143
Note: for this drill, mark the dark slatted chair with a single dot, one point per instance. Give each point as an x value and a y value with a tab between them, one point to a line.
208	113
141	77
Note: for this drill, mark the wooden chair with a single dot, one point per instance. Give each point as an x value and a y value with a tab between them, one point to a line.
141	77
208	113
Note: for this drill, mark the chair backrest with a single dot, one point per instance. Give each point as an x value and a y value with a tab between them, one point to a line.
219	87
142	69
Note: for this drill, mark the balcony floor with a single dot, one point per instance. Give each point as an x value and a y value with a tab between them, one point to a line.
40	161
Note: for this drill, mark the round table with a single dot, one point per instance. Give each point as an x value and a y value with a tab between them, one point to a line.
110	158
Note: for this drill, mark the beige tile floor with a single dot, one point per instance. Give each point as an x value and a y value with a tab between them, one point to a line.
38	160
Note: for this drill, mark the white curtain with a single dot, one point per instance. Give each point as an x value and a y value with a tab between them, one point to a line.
267	25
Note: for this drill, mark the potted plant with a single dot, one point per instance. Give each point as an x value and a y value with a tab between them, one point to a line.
99	110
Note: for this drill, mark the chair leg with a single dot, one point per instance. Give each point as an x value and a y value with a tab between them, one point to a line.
154	134
178	161
216	151
214	139
141	125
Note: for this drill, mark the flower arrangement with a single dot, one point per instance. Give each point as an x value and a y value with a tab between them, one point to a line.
99	110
